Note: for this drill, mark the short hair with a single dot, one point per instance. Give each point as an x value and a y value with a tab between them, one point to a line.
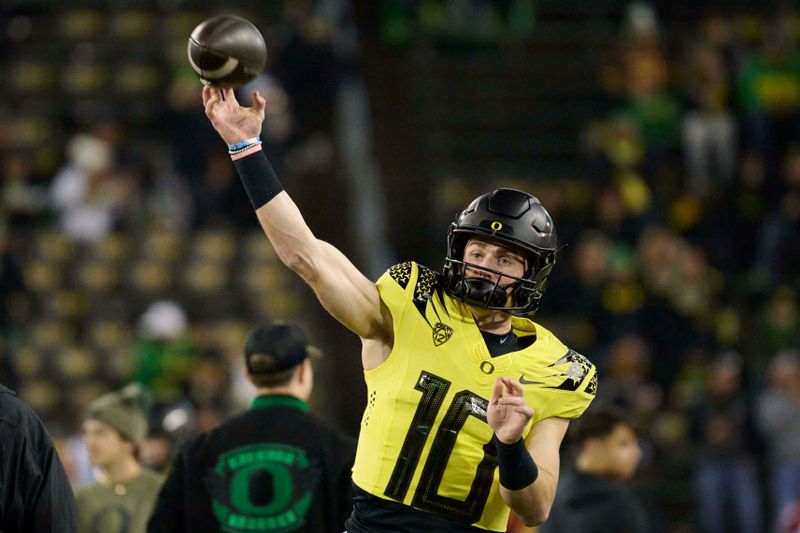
599	423
262	374
273	351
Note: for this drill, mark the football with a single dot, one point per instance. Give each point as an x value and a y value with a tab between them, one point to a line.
227	51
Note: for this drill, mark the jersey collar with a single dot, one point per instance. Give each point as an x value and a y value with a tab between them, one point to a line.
272	401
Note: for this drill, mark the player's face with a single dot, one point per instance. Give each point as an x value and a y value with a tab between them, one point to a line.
623	452
493	256
104	443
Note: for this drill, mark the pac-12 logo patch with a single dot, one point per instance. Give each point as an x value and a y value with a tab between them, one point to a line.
441	333
262	487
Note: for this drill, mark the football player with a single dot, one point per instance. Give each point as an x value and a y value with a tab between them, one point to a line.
468	399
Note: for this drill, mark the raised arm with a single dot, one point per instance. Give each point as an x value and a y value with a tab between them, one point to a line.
528	471
347	294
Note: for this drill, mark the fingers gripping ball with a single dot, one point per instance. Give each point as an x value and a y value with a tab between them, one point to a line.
227	51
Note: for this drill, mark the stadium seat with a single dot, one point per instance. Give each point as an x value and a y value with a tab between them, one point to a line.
81	24
65	304
42	395
161	245
112	248
29	362
134	25
136	79
151	276
76	363
109	335
84	78
51	334
31	77
205	277
214	245
42	276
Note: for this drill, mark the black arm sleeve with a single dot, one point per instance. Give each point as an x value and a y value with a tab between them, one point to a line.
258	178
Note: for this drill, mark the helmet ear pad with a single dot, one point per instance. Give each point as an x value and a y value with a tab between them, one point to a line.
529	294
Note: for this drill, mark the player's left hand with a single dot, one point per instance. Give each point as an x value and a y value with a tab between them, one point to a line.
508	414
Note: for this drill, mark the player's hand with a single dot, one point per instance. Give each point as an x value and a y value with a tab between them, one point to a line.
508	413
233	122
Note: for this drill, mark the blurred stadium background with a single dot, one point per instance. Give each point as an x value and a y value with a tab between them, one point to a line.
663	137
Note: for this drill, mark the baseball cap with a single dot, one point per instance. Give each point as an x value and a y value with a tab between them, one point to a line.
283	345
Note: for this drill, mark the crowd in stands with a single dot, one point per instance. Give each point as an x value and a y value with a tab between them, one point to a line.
129	250
683	273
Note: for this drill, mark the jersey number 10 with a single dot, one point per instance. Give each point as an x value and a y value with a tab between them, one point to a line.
464	404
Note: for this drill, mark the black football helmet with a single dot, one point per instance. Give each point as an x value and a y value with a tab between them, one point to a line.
517	221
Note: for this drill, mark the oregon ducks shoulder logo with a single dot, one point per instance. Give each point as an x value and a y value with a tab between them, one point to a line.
262	487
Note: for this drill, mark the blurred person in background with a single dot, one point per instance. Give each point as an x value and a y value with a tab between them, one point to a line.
35	494
164	353
776	328
709	128
85	193
592	497
726	485
122	498
778	419
767	89
276	467
501	251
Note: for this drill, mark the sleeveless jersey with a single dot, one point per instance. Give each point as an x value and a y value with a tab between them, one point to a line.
424	438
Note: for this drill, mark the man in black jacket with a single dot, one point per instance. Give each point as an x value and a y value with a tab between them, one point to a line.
276	467
592	497
35	494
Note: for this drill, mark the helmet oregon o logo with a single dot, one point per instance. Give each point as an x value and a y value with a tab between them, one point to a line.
259	487
497	226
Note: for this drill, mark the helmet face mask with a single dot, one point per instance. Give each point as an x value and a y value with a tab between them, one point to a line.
514	220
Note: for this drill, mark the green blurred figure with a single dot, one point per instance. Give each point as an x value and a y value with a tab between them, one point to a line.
164	353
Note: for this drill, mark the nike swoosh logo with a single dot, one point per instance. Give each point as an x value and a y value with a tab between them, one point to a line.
527	382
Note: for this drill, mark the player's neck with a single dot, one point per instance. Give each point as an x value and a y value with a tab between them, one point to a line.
124	470
293	388
491	321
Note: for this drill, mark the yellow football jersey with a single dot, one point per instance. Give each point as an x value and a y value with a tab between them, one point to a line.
424	437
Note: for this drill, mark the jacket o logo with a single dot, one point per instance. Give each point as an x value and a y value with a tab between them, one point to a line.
441	333
497	226
243	479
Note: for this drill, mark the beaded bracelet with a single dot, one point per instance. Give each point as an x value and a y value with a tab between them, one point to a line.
244	152
247	147
232	148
